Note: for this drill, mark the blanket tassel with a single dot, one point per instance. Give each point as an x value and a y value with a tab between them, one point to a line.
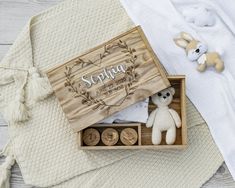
39	87
5	172
17	111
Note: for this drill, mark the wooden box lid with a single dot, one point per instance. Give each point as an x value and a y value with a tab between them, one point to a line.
107	79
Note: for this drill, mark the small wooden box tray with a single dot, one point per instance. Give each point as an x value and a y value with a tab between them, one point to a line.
119	128
145	134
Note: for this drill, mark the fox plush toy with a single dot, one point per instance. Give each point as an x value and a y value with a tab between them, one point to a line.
197	51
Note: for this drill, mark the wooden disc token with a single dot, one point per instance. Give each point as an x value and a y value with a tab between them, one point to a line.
129	136
91	137
109	137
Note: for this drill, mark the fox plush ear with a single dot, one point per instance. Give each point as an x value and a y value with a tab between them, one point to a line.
186	36
172	90
181	42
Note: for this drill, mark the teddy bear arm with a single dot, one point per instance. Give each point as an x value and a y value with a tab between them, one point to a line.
219	65
201	67
176	118
151	118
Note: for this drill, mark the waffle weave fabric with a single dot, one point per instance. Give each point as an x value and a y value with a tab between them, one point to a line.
45	146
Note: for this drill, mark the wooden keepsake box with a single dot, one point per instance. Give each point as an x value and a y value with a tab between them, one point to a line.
144	134
108	79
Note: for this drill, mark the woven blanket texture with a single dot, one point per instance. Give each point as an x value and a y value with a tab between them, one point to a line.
45	146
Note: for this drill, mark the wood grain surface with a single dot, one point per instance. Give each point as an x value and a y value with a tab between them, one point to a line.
10	26
129	136
107	79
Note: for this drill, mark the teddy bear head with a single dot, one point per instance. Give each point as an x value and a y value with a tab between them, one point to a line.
193	47
164	97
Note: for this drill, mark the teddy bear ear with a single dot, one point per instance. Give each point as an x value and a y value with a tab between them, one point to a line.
181	42
172	90
186	36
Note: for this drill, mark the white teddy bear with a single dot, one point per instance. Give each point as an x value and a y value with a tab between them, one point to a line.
163	118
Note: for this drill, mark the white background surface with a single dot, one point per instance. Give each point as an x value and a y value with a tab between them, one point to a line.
13	16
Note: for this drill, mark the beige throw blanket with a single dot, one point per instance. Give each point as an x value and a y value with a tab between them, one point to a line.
45	146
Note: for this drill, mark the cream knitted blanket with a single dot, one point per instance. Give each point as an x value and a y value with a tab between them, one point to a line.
45	146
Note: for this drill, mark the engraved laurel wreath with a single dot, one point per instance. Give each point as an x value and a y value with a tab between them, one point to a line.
130	75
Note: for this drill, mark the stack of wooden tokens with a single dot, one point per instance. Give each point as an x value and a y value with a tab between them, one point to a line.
129	136
110	137
91	137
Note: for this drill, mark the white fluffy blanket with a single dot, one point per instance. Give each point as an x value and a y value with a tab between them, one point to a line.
212	22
